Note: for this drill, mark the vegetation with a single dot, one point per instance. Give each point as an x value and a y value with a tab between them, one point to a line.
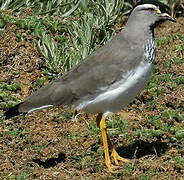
64	39
63	33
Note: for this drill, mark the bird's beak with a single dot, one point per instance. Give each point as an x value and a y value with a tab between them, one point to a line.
168	17
165	15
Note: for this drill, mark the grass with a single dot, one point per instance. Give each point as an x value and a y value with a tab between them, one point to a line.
179	135
22	176
128	169
65	32
39	148
65	117
179	160
93	128
39	83
64	43
72	136
14	133
173	114
6	100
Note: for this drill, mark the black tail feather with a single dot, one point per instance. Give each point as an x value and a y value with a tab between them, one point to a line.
13	111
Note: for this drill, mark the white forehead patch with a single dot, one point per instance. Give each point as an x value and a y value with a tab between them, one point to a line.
146	6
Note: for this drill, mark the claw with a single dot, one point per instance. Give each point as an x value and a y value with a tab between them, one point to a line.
112	168
117	157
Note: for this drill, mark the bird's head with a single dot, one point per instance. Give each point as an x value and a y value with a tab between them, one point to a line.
149	15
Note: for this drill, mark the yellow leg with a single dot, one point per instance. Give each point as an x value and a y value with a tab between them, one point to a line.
115	155
101	122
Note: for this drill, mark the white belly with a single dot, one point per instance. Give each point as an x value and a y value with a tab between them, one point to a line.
121	93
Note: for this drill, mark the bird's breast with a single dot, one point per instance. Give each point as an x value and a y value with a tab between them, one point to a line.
150	50
120	93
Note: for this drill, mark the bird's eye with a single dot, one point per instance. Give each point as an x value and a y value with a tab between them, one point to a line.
150	9
154	10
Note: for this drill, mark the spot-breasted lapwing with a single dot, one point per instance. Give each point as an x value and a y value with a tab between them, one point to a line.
108	79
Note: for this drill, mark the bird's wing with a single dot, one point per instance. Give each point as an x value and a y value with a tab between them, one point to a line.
97	71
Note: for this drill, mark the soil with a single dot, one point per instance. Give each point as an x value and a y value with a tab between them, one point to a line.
47	147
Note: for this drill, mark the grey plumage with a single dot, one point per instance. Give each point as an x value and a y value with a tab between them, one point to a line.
102	69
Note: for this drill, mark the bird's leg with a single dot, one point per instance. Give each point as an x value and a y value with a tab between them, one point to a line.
115	155
101	122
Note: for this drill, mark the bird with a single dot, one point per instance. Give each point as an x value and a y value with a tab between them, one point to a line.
108	79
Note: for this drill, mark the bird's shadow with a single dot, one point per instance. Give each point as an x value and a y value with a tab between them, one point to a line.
142	148
136	150
51	162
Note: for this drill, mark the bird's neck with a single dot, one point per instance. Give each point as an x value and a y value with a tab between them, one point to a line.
139	32
141	37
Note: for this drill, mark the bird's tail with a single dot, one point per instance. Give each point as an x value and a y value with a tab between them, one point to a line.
13	111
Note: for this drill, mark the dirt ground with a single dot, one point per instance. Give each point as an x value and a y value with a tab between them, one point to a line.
51	144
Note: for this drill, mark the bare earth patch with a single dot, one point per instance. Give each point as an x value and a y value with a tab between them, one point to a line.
52	144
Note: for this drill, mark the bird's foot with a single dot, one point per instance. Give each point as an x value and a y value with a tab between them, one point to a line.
112	168
117	157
